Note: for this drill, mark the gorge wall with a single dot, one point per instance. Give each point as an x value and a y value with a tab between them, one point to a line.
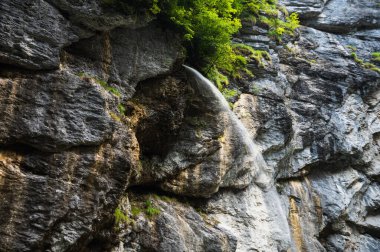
99	119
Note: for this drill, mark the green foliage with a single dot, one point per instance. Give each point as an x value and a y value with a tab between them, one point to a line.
219	79
150	210
168	199
278	27
312	61
257	55
115	117
356	59
107	87
121	217
135	211
101	82
207	27
375	57
228	93
121	109
164	198
155	9
81	74
352	48
268	12
366	65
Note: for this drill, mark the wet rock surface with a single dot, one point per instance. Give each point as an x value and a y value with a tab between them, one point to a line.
317	122
98	118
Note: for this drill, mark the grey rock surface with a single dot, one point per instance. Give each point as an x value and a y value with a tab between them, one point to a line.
201	148
42	111
344	16
338	16
33	33
99	121
121	57
306	8
94	15
56	201
255	216
67	151
317	121
176	228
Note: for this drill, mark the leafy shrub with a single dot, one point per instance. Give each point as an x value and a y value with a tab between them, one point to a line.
208	27
257	55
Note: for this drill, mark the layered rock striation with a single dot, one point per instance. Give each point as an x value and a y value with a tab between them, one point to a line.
108	144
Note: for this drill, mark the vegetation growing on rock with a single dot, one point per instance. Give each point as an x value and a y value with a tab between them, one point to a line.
208	26
121	217
376	57
362	63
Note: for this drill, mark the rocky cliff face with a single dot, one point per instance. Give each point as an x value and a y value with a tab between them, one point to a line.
99	120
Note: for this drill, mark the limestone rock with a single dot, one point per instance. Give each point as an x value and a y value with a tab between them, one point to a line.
127	56
176	228
94	15
306	9
344	15
52	112
96	109
56	201
33	33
